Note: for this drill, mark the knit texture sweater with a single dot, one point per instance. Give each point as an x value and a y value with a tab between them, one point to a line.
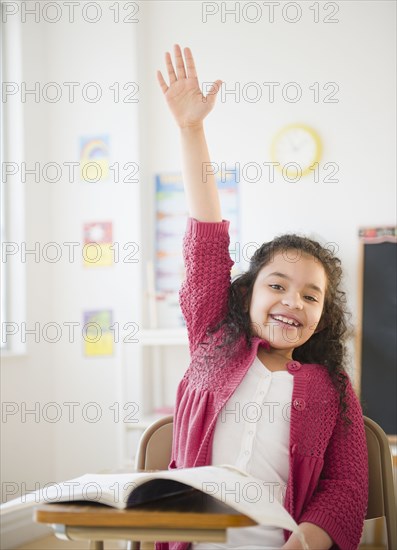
328	468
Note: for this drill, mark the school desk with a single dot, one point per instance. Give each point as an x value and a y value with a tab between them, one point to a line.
190	517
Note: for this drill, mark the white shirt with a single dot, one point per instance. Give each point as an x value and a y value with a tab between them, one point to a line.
252	432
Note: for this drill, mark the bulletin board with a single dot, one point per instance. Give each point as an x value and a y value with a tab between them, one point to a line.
171	220
377	335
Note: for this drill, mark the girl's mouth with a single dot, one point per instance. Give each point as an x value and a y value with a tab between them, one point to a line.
285	321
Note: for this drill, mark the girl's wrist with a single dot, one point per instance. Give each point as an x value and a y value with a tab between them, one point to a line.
191	128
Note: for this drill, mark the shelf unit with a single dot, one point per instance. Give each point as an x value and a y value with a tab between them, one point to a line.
163	337
152	340
154	344
149	381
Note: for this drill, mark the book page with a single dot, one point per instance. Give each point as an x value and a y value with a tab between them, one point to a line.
110	489
248	495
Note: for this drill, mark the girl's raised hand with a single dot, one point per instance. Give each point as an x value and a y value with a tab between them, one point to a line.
184	97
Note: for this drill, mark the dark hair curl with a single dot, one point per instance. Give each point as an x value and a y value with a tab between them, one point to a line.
327	346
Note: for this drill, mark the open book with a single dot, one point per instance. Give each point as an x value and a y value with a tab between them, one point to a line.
248	495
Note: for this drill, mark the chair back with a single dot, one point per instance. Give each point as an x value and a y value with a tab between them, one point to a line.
154	448
381	498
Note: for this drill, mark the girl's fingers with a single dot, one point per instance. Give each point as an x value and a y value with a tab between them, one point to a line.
213	90
162	82
170	68
191	68
180	67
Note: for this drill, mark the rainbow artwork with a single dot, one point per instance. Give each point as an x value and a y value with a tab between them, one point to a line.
94	159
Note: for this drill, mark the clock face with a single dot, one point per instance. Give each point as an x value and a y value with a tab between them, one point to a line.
299	145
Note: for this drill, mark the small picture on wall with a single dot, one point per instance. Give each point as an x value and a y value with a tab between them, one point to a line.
98	241
94	158
97	333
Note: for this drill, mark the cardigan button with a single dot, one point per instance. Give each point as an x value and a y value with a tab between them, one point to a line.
299	404
293	365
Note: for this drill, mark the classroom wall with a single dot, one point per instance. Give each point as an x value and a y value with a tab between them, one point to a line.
56	379
357	53
358	132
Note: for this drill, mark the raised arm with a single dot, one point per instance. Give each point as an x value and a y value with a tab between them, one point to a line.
189	108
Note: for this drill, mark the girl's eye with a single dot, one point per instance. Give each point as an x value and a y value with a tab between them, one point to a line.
279	286
311	298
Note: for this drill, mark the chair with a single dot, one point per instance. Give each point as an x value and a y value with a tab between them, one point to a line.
381	498
154	453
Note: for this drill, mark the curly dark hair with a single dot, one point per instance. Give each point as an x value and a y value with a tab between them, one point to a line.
327	346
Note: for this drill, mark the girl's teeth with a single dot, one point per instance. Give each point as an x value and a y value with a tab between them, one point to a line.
285	320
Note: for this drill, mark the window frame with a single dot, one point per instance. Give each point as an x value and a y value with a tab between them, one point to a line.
13	270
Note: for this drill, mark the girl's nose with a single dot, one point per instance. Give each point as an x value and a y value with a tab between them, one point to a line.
294	301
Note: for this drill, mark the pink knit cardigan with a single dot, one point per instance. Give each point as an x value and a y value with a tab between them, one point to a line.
328	473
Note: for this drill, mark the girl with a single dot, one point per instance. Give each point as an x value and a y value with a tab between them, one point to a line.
276	333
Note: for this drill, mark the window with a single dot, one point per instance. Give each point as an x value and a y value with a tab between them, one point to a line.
13	276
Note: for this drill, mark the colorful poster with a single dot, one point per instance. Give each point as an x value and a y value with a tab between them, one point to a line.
171	218
98	333
94	159
378	234
98	241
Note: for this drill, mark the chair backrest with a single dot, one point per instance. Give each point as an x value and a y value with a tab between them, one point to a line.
154	453
381	498
154	448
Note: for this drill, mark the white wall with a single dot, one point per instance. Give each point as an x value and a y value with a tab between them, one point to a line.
358	132
104	53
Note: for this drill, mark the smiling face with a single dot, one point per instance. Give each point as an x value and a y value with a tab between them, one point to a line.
287	300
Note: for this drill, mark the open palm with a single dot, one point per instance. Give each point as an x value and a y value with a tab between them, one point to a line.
184	97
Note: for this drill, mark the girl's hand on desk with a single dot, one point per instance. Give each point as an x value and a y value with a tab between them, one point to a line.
296	545
185	100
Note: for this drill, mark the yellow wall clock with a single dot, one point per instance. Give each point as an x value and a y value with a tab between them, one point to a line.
296	147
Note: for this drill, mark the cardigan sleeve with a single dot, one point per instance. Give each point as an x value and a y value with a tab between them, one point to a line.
339	503
204	292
